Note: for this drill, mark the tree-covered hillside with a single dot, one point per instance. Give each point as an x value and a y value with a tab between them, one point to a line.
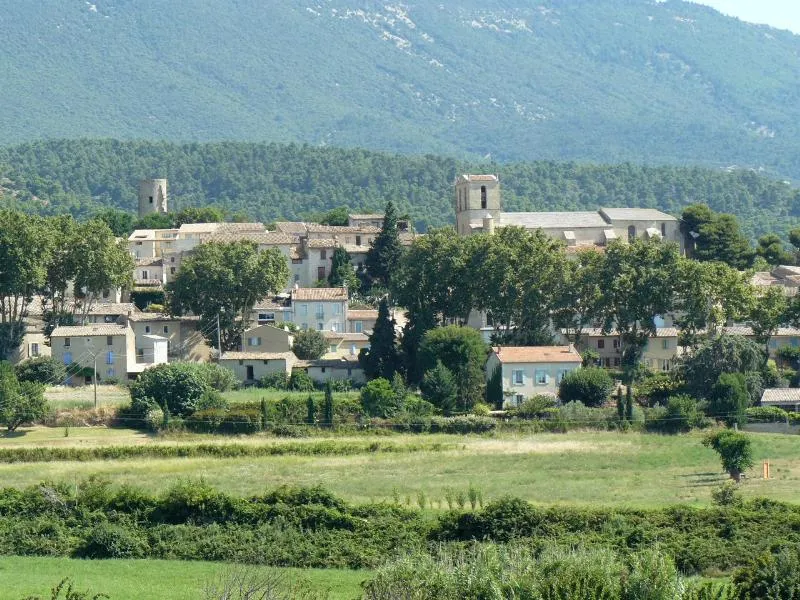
272	181
603	80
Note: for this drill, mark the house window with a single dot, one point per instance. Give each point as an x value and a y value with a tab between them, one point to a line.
166	328
109	340
349	371
665	344
337	309
601	344
607	362
147	328
332	348
266	318
320	272
560	375
254	341
665	365
296	277
323	254
518	377
541	377
105	293
320	314
320	326
140	353
304	309
145	275
67	358
67	342
110	372
358	326
151	199
297	261
172	259
109	358
138	243
172	270
616	344
483	196
631	233
519	399
34	349
322	369
358	241
663	230
616	361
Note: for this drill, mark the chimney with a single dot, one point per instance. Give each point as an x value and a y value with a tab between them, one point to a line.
488	224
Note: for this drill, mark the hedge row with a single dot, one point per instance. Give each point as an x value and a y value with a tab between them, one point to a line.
229	450
309	527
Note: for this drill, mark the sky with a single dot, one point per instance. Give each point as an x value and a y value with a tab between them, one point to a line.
783	14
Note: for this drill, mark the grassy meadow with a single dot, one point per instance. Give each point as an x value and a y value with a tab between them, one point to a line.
150	579
579	468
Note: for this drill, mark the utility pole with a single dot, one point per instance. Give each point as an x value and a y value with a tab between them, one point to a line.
219	340
95	381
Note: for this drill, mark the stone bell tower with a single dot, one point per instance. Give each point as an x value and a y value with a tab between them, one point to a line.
152	196
477	200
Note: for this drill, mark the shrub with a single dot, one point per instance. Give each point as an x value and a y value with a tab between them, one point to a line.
766	414
309	344
216	377
773	576
734	449
212	399
462	425
481	410
576	415
378	399
20	402
42	369
300	381
656	388
176	387
275	381
729	398
591	386
534	407
439	388
681	415
112	541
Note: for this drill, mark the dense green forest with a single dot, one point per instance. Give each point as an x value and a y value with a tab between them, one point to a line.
602	80
271	181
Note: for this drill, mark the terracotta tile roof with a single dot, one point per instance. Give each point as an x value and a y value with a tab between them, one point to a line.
263	238
661	332
145	317
367	229
141	235
331	363
780	396
295	227
469	177
287	356
366	217
353	249
537	354
362	315
347	337
306	294
151	261
322	243
271	304
112	308
89	330
238	227
199	227
744	330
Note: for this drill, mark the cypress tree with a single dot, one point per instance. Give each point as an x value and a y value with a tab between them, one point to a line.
311	411
385	251
263	413
629	404
327	416
381	360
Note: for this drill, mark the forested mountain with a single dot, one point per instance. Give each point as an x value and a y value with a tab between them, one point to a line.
272	181
603	80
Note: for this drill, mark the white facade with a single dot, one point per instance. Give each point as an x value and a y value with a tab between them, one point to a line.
528	371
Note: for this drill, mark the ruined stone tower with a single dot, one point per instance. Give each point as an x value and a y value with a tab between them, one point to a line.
152	196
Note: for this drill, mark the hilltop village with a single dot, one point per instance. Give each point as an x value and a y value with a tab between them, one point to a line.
118	333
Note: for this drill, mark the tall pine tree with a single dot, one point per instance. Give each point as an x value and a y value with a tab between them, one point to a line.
381	360
385	250
342	273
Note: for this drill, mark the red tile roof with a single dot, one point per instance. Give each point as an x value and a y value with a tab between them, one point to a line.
537	354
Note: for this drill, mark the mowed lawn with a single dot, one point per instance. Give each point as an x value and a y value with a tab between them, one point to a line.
151	579
584	468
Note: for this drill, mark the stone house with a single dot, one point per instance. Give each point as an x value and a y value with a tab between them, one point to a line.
528	371
252	367
323	309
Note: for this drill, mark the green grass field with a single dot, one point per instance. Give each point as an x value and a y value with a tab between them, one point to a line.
583	468
148	579
64	397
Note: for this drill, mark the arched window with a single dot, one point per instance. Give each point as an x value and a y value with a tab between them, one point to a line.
631	233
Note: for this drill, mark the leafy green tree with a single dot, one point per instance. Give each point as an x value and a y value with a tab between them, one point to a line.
300	381
770	248
639	287
682	414
734	449
381	359
379	399
581	293
439	388
769	312
309	344
463	352
120	222
385	250
729	398
195	214
41	369
104	264
342	273
24	253
155	220
20	402
339	216
723	354
590	386
519	276
176	388
794	238
722	240
224	281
